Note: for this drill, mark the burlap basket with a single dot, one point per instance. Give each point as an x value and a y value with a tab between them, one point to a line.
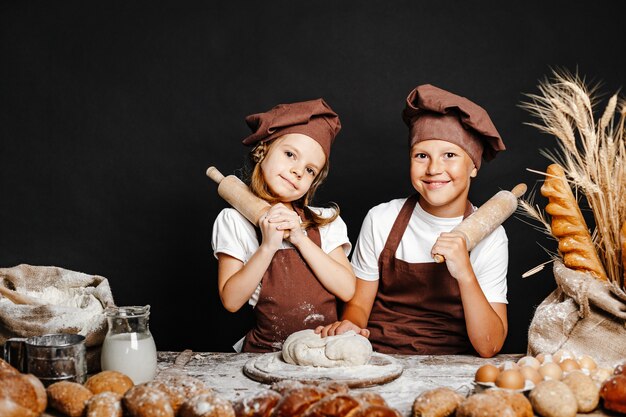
583	315
59	301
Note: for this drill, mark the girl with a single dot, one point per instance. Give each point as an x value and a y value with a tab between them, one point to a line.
404	301
295	266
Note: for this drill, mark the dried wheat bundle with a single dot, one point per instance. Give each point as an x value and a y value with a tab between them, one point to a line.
593	156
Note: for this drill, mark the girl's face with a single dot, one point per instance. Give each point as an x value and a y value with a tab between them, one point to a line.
291	164
441	172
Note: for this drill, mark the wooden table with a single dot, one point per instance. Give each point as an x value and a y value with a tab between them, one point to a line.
223	373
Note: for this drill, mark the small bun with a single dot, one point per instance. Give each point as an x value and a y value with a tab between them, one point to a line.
516	400
112	381
146	401
105	404
338	405
370	398
207	404
441	401
260	404
9	408
484	405
179	388
613	392
70	398
377	411
297	401
19	390
6	367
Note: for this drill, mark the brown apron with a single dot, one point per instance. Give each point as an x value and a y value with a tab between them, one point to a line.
418	307
291	299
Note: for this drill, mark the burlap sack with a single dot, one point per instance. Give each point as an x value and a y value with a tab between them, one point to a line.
58	301
583	315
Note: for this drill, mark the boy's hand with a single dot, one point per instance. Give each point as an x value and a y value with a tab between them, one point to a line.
340	327
452	247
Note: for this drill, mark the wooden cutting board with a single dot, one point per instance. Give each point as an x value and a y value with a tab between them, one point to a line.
270	367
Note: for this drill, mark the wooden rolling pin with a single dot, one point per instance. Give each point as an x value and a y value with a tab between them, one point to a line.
238	195
488	217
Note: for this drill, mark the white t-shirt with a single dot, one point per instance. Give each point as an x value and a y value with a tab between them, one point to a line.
234	235
489	258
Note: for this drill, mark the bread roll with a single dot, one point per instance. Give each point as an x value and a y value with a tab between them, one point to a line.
6	367
9	408
260	404
112	381
484	405
297	401
338	405
552	398
438	402
19	390
376	411
370	398
179	388
584	389
105	404
568	225
207	404
40	392
69	398
516	400
613	393
146	401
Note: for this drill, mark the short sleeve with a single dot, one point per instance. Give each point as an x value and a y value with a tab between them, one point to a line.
490	260
233	235
334	234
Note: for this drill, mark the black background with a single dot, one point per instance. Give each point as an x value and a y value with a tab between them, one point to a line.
110	113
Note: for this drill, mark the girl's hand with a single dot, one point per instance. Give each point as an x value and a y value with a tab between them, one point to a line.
340	327
272	238
285	219
452	246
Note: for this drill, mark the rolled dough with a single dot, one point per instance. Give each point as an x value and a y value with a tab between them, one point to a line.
307	348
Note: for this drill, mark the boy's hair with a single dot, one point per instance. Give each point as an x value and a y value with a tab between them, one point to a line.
254	178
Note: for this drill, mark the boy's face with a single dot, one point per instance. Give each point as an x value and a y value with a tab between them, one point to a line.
441	172
291	164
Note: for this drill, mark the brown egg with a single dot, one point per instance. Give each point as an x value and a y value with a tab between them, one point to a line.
544	357
531	374
510	379
587	362
506	365
562	354
487	373
529	361
551	370
569	365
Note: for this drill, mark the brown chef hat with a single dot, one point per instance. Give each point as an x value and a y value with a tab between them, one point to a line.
313	118
433	113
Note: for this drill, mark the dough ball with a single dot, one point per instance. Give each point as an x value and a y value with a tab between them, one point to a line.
552	398
112	381
438	402
307	348
584	389
484	405
105	404
70	398
146	401
207	404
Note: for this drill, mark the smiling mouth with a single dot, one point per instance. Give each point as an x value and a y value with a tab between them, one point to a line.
435	184
289	182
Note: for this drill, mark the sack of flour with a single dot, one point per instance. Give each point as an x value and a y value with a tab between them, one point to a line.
39	300
583	315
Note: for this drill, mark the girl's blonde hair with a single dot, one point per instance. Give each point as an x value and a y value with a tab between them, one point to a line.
258	186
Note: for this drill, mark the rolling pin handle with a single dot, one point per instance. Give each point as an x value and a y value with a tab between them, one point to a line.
439	258
214	174
519	190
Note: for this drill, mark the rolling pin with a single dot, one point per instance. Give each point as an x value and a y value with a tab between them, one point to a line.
238	195
488	217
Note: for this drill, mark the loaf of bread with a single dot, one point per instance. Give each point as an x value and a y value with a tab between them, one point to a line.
6	367
146	401
112	381
569	226
70	398
294	399
105	404
9	408
438	402
40	392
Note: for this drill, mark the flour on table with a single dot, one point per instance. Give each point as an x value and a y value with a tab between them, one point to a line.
307	348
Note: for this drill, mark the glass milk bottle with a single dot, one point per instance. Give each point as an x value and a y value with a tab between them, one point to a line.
128	345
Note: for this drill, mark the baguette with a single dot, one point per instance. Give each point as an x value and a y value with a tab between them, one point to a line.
568	225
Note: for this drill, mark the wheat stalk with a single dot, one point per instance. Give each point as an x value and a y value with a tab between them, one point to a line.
593	155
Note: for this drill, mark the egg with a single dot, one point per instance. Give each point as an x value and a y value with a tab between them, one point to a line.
562	354
506	365
587	362
551	370
529	361
510	379
531	374
569	365
487	373
544	357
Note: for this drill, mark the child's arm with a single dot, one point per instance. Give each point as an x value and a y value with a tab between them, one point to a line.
238	281
486	322
356	312
333	270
